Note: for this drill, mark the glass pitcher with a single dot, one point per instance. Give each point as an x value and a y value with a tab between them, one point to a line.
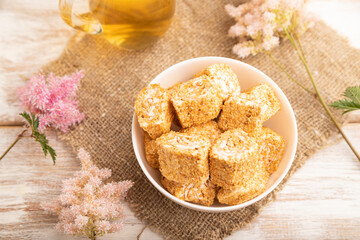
129	24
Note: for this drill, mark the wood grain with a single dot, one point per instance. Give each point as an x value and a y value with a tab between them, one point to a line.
32	34
27	179
321	200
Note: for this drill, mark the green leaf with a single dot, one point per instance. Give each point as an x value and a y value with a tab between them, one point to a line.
32	116
41	138
36	134
52	153
351	102
33	121
345	104
44	148
27	117
36	124
353	93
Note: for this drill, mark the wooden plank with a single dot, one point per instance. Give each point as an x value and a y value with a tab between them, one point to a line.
341	15
27	178
319	201
32	34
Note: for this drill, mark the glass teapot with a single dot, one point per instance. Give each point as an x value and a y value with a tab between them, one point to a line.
129	24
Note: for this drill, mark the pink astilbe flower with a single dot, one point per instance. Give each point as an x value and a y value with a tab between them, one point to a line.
48	102
53	100
260	24
87	206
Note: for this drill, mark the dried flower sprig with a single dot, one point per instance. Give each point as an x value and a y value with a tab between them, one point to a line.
261	24
49	102
87	206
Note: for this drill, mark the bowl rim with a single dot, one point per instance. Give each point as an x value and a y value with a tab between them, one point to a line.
230	207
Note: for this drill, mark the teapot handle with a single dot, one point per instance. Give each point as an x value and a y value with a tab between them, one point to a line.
86	22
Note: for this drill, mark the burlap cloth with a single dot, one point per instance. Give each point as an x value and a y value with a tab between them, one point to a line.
114	77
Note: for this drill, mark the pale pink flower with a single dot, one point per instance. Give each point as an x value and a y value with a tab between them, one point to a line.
106	209
35	96
81	221
87	205
270	43
271	4
232	11
269	16
53	100
243	51
257	2
253	30
236	30
116	227
103	226
68	199
70	228
70	187
64	87
249	19
89	190
104	173
237	11
268	30
294	4
260	24
118	189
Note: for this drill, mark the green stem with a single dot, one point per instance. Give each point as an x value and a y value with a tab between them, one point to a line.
288	75
93	235
13	144
300	46
303	60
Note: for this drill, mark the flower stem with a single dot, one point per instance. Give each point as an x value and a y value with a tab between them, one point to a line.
303	60
296	37
93	235
288	75
13	144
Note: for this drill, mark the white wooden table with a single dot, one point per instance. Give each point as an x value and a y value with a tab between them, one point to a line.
321	200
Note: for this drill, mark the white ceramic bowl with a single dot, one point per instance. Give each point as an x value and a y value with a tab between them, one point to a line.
282	122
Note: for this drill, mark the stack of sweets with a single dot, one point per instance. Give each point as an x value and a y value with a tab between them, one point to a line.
154	111
209	129
233	158
183	158
203	194
222	150
196	101
271	149
250	109
224	76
